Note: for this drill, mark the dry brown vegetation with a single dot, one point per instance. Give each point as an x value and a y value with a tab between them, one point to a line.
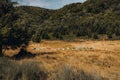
102	58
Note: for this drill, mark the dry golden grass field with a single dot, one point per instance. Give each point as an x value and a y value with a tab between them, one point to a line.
94	57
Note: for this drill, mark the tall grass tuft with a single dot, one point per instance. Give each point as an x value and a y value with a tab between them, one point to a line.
12	70
69	73
28	70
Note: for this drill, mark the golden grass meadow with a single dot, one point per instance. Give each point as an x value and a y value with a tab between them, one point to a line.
101	58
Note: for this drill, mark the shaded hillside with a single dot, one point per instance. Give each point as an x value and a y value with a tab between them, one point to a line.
90	19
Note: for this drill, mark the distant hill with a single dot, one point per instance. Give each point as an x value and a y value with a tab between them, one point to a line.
94	19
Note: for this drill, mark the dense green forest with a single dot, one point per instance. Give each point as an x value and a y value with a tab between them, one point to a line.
93	19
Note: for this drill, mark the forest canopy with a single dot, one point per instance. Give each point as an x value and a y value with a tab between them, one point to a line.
94	19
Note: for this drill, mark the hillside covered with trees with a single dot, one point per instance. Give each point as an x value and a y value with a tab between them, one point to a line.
93	19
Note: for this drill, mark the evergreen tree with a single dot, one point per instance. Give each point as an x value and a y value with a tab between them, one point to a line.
10	33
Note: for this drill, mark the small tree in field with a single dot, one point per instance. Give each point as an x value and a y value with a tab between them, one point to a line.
11	35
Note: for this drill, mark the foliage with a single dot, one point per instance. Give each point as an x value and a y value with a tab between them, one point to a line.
11	33
91	18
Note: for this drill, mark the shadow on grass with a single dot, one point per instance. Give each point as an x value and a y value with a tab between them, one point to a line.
49	53
23	54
